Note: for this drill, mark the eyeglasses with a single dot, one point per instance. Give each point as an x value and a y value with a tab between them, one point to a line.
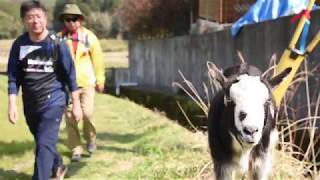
69	19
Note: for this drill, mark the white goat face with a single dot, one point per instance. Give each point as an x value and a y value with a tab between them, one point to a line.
249	95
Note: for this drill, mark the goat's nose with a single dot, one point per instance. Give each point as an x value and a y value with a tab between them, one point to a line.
249	130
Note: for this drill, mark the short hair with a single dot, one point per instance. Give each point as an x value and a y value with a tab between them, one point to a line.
28	5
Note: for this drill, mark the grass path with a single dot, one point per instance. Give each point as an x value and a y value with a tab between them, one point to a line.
133	143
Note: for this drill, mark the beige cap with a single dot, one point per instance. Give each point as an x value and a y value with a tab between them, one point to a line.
72	9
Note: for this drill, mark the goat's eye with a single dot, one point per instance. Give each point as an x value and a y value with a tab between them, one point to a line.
242	115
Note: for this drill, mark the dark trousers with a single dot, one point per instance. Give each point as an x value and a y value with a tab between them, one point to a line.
44	126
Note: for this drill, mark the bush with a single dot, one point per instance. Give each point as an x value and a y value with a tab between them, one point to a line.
100	23
155	18
5	35
97	14
10	24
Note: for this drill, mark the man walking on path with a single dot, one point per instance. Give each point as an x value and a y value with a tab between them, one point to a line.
42	66
88	58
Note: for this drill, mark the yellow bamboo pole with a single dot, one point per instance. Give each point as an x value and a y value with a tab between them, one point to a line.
287	61
300	26
315	41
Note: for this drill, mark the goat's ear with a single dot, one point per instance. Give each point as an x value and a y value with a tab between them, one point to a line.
278	79
216	73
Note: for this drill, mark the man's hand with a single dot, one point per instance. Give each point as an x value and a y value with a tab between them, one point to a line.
76	111
12	109
76	106
99	88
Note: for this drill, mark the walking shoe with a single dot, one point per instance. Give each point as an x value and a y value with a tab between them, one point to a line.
91	147
60	173
76	157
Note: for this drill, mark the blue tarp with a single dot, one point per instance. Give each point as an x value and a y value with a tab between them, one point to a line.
264	10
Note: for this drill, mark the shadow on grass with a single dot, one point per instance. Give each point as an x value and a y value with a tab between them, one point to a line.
115	149
74	167
129	137
15	148
121	138
65	152
13	175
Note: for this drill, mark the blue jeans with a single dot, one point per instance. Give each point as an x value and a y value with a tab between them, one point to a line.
44	126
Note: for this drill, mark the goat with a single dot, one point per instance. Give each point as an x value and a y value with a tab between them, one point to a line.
241	122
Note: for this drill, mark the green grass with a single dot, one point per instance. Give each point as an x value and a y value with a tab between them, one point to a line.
133	143
116	59
115	53
3	67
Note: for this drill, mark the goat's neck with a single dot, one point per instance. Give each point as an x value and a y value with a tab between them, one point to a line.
238	148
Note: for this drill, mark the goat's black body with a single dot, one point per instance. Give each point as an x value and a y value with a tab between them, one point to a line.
220	141
222	132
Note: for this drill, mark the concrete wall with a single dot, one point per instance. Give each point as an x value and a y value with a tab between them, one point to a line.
155	64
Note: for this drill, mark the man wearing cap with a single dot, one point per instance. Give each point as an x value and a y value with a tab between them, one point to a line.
88	58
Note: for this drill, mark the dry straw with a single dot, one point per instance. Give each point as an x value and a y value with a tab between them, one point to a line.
289	125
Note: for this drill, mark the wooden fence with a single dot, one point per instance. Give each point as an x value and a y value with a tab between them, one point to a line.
156	64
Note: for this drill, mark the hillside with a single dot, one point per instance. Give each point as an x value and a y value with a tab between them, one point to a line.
99	16
10	23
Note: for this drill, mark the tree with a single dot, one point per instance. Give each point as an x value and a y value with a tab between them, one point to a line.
97	14
155	18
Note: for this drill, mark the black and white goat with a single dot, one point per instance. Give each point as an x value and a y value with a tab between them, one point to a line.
241	122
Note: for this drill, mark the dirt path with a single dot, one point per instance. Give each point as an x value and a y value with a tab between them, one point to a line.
5	46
